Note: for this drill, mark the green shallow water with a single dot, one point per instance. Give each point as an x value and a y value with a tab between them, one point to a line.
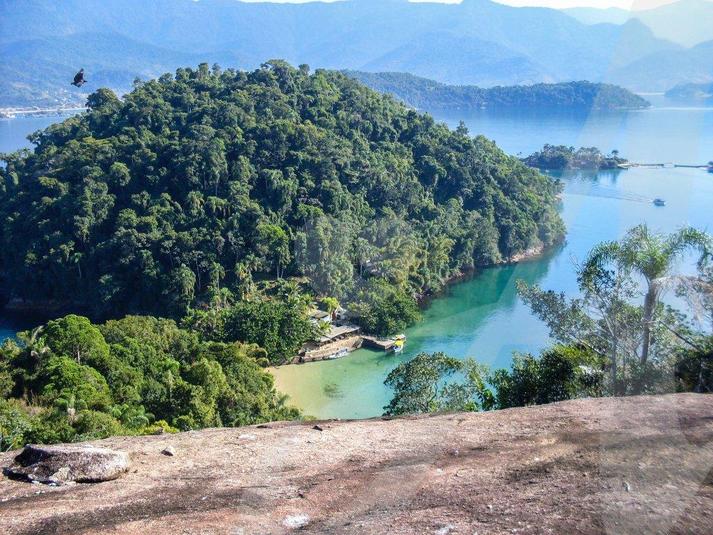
483	317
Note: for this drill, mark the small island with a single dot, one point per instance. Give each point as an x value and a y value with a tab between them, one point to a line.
561	157
425	94
691	92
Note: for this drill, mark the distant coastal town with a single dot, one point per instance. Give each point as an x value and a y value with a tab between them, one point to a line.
38	111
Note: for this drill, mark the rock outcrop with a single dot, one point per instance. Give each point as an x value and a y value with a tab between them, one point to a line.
594	466
58	465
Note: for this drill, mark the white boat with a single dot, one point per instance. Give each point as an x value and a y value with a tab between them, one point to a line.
339	354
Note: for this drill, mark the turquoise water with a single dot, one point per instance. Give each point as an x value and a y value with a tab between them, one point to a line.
483	317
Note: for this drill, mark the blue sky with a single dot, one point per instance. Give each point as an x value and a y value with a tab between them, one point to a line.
624	4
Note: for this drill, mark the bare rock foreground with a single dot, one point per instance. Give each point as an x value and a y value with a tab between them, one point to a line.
634	465
59	465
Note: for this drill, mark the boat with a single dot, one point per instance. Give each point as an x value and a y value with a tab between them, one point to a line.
339	354
659	202
399	342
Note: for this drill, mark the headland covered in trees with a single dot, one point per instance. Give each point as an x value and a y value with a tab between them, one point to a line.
426	94
193	188
231	202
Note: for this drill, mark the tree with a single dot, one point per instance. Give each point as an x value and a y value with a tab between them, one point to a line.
383	309
560	373
437	382
65	379
602	320
698	291
103	98
322	253
421	386
274	244
639	342
330	304
75	337
652	256
281	327
15	424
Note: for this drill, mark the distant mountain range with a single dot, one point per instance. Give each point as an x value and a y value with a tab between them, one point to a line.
687	22
477	42
430	95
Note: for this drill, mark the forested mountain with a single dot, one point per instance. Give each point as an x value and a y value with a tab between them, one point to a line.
199	184
427	94
475	42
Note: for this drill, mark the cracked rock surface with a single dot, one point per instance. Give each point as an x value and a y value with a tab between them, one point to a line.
592	466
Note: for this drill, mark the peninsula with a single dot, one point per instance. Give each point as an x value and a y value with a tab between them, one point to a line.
425	94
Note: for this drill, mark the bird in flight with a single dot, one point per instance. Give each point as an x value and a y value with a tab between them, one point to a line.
79	80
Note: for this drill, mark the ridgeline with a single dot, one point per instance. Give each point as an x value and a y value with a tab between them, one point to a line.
425	94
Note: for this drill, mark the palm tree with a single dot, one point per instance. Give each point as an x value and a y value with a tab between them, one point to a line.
652	256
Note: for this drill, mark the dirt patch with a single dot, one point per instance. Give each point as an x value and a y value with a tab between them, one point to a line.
634	465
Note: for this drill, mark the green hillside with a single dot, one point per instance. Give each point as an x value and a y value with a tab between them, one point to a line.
427	94
199	184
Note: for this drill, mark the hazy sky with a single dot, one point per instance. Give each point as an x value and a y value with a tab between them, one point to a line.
625	4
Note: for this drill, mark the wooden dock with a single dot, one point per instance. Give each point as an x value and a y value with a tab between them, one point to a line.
338	349
376	343
667	165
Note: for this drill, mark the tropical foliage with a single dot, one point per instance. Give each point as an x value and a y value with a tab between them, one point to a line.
560	157
617	338
422	385
193	187
440	383
73	380
427	94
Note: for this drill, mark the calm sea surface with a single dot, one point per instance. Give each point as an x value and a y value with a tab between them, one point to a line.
483	317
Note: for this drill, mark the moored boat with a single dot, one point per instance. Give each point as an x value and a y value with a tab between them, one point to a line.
399	342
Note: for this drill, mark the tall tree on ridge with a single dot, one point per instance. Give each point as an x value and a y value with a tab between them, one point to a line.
651	255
